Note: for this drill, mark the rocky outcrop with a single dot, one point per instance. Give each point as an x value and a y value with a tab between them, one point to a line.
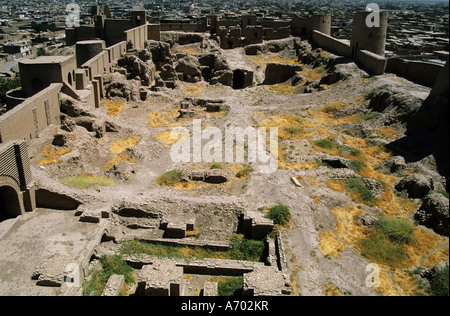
434	213
190	68
278	73
215	69
117	85
138	69
395	105
428	129
160	51
394	164
72	107
417	186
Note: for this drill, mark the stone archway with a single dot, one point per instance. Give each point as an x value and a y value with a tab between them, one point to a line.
10	202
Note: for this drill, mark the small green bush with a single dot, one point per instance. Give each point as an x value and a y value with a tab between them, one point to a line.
326	143
280	214
399	230
170	178
231	287
293	130
244	172
380	249
356	165
350	150
440	283
217	165
357	184
110	265
246	249
385	243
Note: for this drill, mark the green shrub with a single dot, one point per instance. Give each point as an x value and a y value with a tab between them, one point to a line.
230	287
356	165
246	249
293	130
280	214
217	165
440	283
7	84
98	279
357	185
326	143
331	109
170	178
244	172
380	249
399	230
386	241
350	150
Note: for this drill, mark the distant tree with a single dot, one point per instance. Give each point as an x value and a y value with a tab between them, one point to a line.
41	52
7	84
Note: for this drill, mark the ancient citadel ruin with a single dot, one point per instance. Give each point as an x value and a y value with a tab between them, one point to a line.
60	123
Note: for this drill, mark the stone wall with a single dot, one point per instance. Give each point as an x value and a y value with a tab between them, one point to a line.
372	62
424	73
331	44
137	36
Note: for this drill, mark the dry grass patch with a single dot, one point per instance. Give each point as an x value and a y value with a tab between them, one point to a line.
121	145
118	159
166	138
114	108
331	290
168	118
52	156
193	89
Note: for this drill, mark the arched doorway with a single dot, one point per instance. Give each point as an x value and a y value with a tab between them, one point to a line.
69	78
9	203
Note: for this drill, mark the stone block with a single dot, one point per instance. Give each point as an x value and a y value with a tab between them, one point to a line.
162	278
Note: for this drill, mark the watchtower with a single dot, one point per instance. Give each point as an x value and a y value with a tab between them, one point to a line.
368	37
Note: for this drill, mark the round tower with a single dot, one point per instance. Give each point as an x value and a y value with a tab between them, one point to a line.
369	32
321	23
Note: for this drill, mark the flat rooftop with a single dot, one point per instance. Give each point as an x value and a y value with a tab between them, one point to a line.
46	60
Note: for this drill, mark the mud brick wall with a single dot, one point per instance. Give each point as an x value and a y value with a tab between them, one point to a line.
31	117
137	36
331	44
424	73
